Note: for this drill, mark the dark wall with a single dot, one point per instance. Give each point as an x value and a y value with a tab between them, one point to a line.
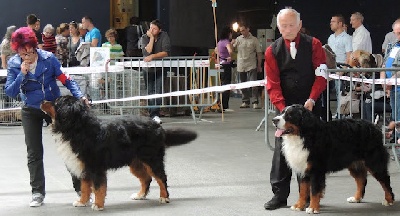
191	23
14	12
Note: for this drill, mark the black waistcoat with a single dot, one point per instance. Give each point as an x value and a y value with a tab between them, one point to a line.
297	75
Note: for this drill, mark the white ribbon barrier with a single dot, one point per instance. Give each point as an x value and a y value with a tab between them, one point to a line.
180	93
388	81
192	91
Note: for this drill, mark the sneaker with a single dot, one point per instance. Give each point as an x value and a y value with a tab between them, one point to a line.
255	106
245	105
37	200
157	119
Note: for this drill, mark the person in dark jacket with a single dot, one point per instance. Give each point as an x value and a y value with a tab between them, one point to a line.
32	74
133	33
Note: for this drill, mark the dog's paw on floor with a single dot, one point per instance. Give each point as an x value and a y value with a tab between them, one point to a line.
97	208
386	203
78	203
312	211
164	200
137	196
353	200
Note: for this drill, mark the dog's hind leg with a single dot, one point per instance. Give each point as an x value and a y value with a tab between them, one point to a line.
158	172
359	172
139	170
86	189
381	174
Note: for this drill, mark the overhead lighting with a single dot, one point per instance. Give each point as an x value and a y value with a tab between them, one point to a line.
235	26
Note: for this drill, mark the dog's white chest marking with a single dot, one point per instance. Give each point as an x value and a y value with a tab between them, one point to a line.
296	155
74	165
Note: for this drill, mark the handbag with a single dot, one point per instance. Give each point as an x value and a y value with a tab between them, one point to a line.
344	103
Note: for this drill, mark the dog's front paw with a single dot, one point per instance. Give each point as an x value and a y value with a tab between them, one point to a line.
138	196
297	208
312	211
97	208
164	200
353	200
78	203
386	203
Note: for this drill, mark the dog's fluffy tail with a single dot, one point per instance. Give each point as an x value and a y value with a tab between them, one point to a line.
178	136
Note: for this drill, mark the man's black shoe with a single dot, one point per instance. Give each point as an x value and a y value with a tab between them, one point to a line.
275	203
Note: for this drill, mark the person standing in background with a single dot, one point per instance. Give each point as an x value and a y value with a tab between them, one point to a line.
62	44
73	44
33	22
49	40
341	44
156	45
248	64
133	33
93	35
361	39
82	32
5	46
115	48
225	50
390	38
393	60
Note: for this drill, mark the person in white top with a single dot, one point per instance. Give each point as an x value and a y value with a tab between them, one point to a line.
361	36
339	40
390	38
341	44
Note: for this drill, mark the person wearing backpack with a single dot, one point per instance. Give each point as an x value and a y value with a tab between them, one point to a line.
134	34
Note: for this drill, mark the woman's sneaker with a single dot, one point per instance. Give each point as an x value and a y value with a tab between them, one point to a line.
37	200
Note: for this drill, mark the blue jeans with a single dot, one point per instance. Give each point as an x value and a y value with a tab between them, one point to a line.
395	99
154	81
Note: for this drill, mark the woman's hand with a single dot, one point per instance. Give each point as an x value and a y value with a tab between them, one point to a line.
25	67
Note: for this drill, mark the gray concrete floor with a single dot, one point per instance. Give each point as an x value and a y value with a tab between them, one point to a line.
224	172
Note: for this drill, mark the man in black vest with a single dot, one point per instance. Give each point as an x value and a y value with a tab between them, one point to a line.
292	65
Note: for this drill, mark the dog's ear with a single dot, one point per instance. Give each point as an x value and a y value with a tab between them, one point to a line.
308	122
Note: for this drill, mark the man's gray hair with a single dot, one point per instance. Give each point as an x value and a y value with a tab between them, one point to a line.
286	11
359	16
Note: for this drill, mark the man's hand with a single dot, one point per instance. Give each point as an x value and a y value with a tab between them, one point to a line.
149	34
148	58
309	104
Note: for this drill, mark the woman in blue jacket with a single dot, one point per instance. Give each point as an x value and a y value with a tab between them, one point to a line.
32	74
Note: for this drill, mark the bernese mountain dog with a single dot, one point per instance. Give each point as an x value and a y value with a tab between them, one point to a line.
90	146
314	148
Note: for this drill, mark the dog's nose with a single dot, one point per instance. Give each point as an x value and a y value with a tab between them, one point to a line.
275	121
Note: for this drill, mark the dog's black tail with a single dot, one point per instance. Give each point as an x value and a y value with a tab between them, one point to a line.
178	136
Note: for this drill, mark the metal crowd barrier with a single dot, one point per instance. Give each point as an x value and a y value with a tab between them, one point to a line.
127	79
9	114
361	86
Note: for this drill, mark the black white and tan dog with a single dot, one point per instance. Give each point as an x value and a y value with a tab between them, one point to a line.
90	146
314	148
